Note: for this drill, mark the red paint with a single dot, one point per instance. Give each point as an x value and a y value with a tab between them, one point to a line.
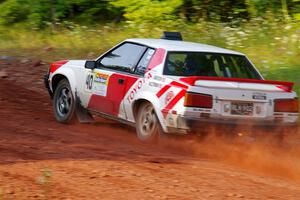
55	65
157	58
284	88
288	86
101	104
115	94
137	87
166	87
180	85
173	102
162	90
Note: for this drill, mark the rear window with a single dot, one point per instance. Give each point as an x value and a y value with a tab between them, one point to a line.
209	64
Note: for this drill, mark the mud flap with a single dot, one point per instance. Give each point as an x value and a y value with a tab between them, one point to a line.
83	114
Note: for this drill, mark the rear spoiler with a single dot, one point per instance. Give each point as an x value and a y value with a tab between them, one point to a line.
286	86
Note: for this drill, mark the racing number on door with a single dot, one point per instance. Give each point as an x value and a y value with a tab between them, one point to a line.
89	81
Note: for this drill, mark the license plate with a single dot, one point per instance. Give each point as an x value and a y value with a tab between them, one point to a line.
239	108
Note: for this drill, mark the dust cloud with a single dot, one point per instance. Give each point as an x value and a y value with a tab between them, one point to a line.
269	153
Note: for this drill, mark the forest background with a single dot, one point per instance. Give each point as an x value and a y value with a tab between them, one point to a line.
268	31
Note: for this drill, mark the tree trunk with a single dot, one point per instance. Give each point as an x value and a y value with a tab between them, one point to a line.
53	12
285	10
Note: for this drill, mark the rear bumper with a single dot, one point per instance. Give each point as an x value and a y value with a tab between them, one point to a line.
250	122
191	124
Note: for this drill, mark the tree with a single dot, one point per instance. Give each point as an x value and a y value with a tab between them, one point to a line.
42	12
148	11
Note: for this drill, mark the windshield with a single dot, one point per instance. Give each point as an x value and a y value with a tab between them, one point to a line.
209	64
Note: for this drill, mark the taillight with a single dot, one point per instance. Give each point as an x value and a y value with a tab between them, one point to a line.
198	100
286	105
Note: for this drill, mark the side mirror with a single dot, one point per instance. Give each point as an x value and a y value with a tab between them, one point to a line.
90	64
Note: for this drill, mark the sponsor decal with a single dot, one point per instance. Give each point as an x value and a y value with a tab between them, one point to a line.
100	84
159	78
173	102
154	84
137	86
169	96
101	78
171	99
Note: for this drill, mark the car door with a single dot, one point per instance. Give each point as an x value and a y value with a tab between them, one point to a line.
113	77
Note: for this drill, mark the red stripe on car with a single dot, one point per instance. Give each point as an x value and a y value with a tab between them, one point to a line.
55	65
157	58
166	87
173	102
162	90
177	84
284	88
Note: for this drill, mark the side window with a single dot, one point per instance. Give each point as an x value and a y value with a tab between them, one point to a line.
125	57
175	64
143	64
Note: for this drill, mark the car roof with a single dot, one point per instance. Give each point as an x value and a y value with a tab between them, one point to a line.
175	45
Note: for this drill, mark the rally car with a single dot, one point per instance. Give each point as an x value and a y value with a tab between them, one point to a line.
171	86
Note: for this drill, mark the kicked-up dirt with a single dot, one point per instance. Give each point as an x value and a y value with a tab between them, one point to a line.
42	159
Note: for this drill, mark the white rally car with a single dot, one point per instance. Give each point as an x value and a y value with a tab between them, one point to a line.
170	86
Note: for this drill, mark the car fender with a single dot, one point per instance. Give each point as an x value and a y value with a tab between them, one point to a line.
69	74
152	98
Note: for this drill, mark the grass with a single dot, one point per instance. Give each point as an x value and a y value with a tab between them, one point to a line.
274	47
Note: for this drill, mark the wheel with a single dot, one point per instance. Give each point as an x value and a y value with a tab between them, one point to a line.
147	124
64	102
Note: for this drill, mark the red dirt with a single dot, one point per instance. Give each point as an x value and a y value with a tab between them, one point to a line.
42	159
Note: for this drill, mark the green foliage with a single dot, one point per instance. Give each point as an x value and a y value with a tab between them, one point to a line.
273	46
13	11
209	10
40	13
267	31
149	11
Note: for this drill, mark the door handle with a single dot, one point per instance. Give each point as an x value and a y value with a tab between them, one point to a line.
121	81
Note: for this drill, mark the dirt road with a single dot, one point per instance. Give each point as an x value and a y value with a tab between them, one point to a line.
42	159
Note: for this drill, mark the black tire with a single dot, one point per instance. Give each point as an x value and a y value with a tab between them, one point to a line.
148	128
64	103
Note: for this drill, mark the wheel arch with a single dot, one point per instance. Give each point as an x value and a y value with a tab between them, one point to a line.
67	74
56	79
138	102
136	105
